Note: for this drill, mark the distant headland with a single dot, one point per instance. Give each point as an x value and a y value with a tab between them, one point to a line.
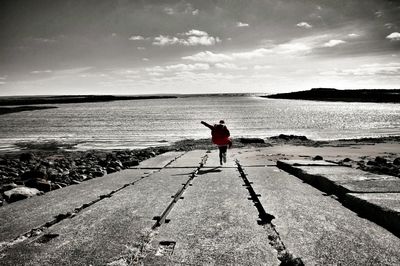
330	94
29	100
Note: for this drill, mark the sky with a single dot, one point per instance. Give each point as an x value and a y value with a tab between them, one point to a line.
54	47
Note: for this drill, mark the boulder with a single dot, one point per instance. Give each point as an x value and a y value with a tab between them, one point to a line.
34	174
130	163
380	160
27	156
20	193
251	140
41	184
8	186
111	170
397	161
318	158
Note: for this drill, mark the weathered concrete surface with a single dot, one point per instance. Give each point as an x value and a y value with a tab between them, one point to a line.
215	224
111	229
190	160
213	160
371	186
383	208
253	157
318	228
307	163
22	216
160	160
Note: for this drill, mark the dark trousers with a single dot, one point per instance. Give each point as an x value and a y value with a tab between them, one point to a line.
222	150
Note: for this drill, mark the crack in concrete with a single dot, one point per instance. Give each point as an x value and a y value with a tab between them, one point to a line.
141	249
36	232
285	257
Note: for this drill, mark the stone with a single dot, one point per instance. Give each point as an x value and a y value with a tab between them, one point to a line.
34	174
251	140
20	193
380	160
318	158
41	184
397	161
346	160
27	156
111	170
8	186
98	173
130	163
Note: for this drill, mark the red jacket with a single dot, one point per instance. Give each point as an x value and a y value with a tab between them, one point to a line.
219	133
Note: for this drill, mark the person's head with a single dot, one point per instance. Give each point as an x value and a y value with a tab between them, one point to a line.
222	122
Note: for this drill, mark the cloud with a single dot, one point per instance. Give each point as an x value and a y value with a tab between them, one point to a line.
353	35
394	36
229	66
41	71
241	24
195	12
389	26
194	38
333	43
258	67
304	25
260	52
179	67
208	56
196	33
169	11
388	69
293	48
379	13
136	38
141	48
145	59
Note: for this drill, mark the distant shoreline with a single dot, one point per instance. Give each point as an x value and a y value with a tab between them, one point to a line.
9	110
30	100
334	95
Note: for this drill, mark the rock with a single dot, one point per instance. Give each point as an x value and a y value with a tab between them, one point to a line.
371	163
153	154
380	160
20	193
251	140
98	173
318	158
396	161
111	170
290	137
8	186
130	163
41	184
75	182
27	156
346	160
34	174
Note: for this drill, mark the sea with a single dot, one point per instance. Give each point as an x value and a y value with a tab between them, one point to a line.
136	124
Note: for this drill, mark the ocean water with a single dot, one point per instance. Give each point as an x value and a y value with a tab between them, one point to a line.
143	123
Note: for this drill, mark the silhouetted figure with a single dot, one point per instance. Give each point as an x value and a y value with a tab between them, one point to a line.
220	137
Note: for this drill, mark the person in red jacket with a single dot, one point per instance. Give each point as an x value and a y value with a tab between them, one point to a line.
220	137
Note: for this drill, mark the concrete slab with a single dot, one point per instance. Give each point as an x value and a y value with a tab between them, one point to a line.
308	163
114	228
333	179
312	225
22	216
383	208
160	160
215	224
371	186
213	160
190	159
253	157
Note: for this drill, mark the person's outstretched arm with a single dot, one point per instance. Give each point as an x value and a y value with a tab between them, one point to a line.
207	125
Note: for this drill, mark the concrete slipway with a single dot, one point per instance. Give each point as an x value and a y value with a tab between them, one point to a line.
185	209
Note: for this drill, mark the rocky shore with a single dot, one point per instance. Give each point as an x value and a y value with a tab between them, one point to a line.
42	167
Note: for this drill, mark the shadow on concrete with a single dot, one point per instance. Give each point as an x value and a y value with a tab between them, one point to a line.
212	170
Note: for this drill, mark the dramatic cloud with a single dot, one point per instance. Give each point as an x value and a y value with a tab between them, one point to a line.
136	38
208	56
169	11
193	38
394	36
304	25
333	43
241	24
